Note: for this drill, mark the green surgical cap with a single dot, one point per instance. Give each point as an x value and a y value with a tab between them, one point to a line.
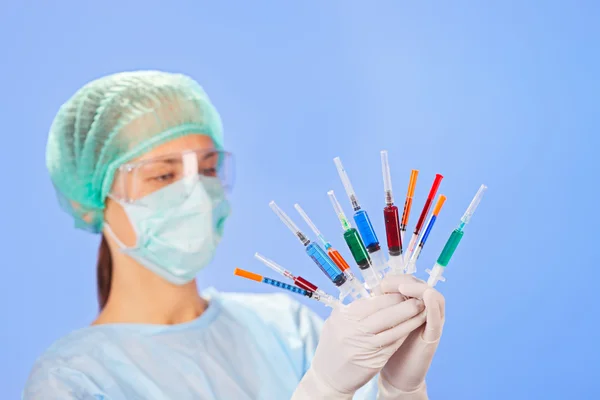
114	119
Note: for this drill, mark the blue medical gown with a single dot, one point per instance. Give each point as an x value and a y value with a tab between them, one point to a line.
244	346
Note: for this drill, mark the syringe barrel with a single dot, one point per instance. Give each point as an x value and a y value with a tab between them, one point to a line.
411	247
450	247
392	230
337	258
434	188
428	230
435	275
363	223
416	254
423	216
412	183
357	248
320	258
396	264
371	278
326	299
285	286
411	268
406	213
379	262
352	287
347	289
304	284
411	265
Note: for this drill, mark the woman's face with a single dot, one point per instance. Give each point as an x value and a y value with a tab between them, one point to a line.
151	177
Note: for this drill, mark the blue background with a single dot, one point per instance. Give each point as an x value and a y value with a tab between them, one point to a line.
503	93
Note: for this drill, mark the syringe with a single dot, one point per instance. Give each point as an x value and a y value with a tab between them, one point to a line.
317	254
298	280
335	255
415	236
327	299
357	248
411	267
363	223
391	218
436	273
412	183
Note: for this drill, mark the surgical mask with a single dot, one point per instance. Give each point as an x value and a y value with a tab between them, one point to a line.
176	238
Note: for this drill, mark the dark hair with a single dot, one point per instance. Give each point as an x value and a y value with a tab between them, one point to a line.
104	272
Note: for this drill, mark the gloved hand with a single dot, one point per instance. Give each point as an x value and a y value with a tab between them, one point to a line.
403	377
356	342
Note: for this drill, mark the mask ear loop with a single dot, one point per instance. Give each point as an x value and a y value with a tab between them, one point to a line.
106	225
112	233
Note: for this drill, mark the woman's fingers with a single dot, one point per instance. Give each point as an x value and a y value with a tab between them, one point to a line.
390	283
392	316
392	335
363	308
415	288
435	305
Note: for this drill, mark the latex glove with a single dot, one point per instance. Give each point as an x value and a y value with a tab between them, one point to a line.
356	342
403	377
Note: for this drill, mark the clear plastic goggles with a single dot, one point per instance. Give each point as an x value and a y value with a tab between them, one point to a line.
135	181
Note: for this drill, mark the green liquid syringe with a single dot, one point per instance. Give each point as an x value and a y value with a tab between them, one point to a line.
436	274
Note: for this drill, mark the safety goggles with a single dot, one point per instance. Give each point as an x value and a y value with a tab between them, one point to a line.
135	181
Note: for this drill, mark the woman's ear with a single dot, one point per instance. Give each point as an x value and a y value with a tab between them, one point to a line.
86	216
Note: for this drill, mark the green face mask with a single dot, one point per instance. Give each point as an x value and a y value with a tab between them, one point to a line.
176	238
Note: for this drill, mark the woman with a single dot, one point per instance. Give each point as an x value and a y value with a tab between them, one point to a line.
139	158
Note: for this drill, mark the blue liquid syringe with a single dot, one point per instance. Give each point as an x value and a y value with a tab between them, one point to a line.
363	224
318	255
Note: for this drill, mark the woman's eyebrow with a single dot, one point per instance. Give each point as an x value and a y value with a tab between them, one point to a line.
212	154
210	161
169	161
160	164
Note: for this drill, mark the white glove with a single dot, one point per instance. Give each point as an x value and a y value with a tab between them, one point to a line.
403	377
356	342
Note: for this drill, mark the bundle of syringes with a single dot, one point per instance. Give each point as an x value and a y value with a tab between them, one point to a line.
364	244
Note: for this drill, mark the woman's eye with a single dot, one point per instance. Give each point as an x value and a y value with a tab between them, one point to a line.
164	177
209	172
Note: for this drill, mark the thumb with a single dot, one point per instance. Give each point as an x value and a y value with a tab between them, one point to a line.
435	307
